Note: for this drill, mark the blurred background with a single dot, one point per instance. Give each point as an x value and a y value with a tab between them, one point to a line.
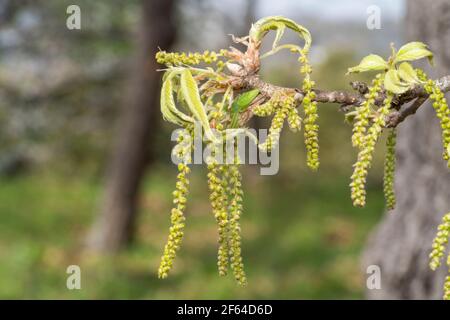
86	176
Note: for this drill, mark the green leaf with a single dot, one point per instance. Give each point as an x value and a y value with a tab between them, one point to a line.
192	97
243	100
168	107
280	31
370	63
261	27
393	83
407	73
241	103
413	51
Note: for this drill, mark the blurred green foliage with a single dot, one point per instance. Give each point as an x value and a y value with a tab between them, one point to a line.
301	239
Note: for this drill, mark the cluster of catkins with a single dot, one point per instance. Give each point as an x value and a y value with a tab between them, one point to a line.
225	184
367	128
284	107
368	124
438	251
370	121
197	89
443	230
442	112
226	195
224	180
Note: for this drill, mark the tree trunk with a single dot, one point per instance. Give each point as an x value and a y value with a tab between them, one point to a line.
402	242
137	125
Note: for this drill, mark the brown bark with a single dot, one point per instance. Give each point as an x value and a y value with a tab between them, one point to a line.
137	126
401	243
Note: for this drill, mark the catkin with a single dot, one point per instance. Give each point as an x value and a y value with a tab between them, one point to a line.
440	242
176	58
265	109
363	112
236	207
365	155
389	170
443	113
218	185
176	231
293	118
438	251
447	288
275	127
311	128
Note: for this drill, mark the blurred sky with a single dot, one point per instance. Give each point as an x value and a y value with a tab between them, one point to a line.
353	10
331	9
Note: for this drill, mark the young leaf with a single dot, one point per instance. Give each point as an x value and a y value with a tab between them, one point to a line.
261	27
168	108
192	97
241	104
166	100
369	63
244	100
407	73
280	27
393	83
413	51
279	35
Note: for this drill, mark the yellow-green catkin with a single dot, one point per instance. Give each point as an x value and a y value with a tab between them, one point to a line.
217	115
365	155
311	128
281	111
438	251
293	118
265	109
363	113
236	194
389	170
447	287
177	218
440	243
218	185
181	58
443	113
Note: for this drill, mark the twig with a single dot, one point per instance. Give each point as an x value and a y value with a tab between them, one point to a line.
344	98
396	117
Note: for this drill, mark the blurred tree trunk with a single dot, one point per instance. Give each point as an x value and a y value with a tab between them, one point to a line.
115	224
402	242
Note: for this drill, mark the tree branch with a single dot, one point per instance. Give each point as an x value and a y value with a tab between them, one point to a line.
396	117
344	98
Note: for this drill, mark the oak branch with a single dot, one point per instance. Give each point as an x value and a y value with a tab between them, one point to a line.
347	99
